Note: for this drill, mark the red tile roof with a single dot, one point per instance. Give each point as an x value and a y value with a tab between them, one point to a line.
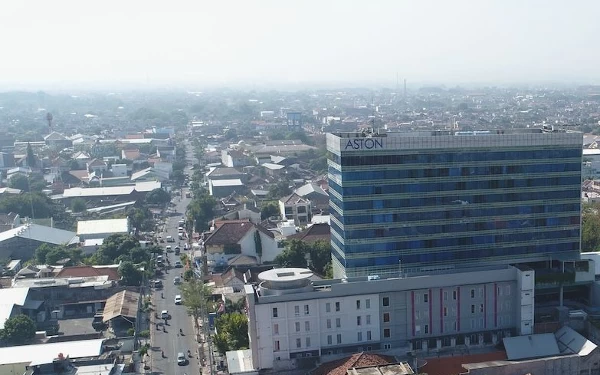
314	233
453	365
89	271
341	366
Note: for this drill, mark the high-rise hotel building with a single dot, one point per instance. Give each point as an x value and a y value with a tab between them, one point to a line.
428	201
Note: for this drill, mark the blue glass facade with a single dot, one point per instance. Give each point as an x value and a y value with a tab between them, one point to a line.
415	204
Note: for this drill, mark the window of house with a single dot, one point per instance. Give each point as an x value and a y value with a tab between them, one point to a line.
386	317
472	293
339	338
328	307
426	328
306	310
276	346
445	296
358	320
307	342
358	304
276	329
481	292
425	297
359	336
301	209
297	310
387	333
367	303
369	337
274	312
338	323
481	307
337	306
329	340
307	326
499	292
472	309
387	346
454	295
298	343
386	301
297	326
368	319
328	323
445	311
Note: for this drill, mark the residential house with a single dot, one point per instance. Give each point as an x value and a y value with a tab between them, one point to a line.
100	229
230	238
15	301
166	153
82	158
96	165
318	197
295	208
57	141
7	160
150	174
234	158
314	233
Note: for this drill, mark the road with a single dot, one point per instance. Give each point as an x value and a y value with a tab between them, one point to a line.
170	341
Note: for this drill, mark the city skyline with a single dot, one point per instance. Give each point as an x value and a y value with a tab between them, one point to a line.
65	44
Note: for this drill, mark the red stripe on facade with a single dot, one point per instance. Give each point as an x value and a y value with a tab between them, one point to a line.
441	311
412	303
458	309
495	305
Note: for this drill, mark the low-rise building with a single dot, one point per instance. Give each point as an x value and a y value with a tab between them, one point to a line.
100	229
295	208
331	317
21	242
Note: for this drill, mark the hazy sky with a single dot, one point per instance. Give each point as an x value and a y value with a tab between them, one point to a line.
214	42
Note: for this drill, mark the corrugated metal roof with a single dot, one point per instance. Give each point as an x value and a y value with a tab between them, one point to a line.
231	182
571	342
531	346
39	233
124	303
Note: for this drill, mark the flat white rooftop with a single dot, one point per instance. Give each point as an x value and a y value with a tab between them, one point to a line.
45	353
102	226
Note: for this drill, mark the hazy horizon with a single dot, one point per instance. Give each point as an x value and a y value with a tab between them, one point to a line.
61	45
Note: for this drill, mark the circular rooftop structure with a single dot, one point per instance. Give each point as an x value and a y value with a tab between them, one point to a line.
285	280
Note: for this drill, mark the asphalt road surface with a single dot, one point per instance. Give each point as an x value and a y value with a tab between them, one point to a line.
171	342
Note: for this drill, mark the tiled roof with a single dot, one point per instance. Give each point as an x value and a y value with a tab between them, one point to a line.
314	233
341	366
88	271
229	233
293	199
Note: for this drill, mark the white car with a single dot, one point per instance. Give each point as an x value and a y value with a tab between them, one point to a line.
177	280
178	299
164	314
181	360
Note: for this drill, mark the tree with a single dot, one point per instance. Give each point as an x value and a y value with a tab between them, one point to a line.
78	205
268	210
55	255
196	297
113	247
130	274
20	182
280	189
297	251
158	196
200	211
24	204
30	158
178	177
18	330
258	243
232	332
590	228
41	252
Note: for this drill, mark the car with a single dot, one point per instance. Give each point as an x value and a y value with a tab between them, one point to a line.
181	359
185	246
177	280
158	284
165	314
169	249
180	230
178	264
170	239
178	299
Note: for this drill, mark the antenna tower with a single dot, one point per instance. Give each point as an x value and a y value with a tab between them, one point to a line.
49	119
